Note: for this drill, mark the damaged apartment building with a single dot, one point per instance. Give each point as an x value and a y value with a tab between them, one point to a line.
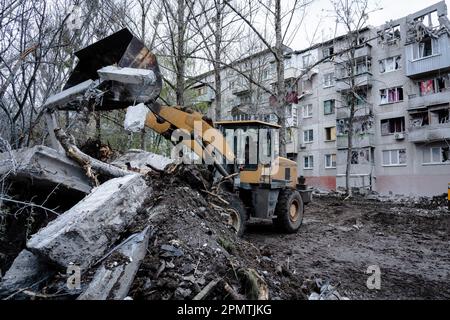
401	125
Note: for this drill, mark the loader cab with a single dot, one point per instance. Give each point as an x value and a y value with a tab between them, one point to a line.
254	143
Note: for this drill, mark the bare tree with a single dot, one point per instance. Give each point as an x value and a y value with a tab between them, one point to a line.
353	16
282	22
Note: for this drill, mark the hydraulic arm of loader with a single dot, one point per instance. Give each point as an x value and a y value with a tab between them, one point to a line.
199	135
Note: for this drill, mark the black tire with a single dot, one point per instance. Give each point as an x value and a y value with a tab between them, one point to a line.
289	211
238	215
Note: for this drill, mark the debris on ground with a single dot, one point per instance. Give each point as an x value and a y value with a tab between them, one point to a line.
160	231
43	167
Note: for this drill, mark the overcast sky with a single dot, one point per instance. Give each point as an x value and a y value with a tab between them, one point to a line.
321	11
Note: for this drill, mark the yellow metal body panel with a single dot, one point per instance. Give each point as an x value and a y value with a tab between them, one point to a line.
190	123
267	175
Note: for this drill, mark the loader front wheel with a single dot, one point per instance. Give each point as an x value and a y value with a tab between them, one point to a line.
289	211
237	216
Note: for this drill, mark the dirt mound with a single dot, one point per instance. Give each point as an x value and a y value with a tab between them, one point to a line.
193	246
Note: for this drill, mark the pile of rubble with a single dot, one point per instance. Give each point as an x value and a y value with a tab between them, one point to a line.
154	233
423	206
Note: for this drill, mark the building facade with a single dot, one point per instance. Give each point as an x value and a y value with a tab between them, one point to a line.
402	119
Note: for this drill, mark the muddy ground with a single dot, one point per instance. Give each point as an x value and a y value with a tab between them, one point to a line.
340	239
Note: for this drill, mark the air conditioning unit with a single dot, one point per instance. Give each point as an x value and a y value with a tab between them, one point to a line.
399	136
302	146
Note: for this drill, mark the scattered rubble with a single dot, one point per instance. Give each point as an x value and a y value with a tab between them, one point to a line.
83	235
159	232
44	168
26	272
115	277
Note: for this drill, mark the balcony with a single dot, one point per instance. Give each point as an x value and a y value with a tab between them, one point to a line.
361	111
241	89
436	62
359	141
425	134
208	97
362	80
419	102
365	51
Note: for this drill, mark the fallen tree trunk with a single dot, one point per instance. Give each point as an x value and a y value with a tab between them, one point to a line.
90	164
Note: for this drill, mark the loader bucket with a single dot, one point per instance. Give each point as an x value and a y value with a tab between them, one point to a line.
123	50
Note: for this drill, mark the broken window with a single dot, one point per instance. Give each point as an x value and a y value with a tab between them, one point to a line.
328	52
306	61
355	157
246	99
328	80
330	161
363	66
394	157
330	134
308	136
436	85
308	162
436	155
329	106
390	64
308	111
430	20
266	74
439	116
419	119
425	48
201	91
392	95
391	126
306	86
390	35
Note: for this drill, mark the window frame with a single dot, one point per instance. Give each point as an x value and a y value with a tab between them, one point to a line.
310	159
307	107
331	155
403	125
333	107
308	131
398	163
331	134
394	64
416	49
440	162
328	80
385	92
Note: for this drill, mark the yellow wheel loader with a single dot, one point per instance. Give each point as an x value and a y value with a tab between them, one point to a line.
119	71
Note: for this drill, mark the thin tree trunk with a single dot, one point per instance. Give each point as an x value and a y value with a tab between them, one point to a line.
281	90
181	48
98	126
217	68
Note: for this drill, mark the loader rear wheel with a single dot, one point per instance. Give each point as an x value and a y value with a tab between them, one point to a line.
238	216
289	211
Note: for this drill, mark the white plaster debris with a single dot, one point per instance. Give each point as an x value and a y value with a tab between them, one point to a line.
128	75
135	118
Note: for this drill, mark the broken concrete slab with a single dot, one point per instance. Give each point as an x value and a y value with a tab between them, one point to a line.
113	280
82	235
27	270
43	166
72	94
137	160
128	75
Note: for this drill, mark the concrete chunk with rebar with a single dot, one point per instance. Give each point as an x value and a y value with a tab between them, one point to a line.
83	235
